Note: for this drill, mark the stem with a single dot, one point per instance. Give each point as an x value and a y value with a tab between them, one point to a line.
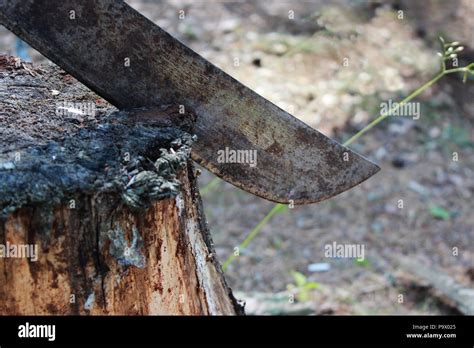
397	106
450	71
253	234
356	136
213	183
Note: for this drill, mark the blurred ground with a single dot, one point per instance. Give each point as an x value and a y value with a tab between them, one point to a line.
331	63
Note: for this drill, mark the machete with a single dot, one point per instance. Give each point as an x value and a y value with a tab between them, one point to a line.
133	63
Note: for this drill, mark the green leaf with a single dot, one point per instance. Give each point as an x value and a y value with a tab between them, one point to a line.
299	278
311	285
439	213
362	263
303	296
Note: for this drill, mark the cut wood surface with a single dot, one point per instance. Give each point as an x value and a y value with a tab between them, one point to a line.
107	210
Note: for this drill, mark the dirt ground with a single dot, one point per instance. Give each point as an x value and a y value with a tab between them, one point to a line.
331	64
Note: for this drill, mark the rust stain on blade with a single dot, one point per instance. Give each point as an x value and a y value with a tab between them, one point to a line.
293	161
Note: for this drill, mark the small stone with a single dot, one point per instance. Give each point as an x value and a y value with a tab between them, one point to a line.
257	62
229	25
319	267
381	153
398	162
7	165
376	227
418	188
434	132
279	48
456	180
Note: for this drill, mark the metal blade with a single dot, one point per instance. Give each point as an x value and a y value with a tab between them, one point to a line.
93	40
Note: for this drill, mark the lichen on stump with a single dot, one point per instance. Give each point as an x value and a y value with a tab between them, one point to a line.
108	198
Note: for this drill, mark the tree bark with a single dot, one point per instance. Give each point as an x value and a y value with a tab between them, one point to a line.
105	208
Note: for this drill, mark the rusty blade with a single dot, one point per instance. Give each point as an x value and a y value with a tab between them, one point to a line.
133	63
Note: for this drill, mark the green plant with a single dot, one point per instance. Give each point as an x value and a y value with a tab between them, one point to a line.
212	184
277	208
439	212
457	135
302	287
449	52
362	263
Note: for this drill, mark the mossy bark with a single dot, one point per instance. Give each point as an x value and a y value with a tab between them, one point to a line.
110	204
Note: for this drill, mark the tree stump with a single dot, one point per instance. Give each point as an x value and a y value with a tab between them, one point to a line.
99	209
